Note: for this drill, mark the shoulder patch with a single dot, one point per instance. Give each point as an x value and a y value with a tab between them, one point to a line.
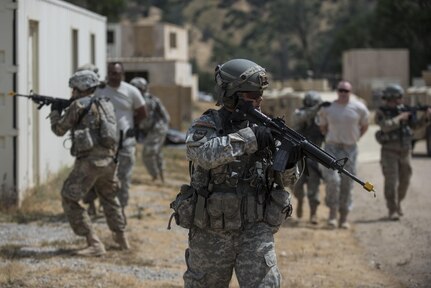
199	134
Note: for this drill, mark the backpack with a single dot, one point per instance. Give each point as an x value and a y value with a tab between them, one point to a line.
108	123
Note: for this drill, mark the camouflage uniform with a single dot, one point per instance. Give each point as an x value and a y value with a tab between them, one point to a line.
93	168
234	231
304	123
152	135
396	141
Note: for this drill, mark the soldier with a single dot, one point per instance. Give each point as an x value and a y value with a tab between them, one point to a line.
93	130
304	123
241	202
395	137
152	130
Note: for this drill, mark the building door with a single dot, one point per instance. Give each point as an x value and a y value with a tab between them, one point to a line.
33	79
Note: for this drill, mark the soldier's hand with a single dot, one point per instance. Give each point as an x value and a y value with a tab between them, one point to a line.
295	154
264	137
56	106
404	116
325	104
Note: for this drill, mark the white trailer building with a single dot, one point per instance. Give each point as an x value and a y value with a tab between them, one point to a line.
42	44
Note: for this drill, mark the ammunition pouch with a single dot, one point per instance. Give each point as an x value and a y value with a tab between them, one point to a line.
278	208
403	134
184	206
224	211
82	140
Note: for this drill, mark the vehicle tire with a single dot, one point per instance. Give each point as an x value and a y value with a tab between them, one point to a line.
428	140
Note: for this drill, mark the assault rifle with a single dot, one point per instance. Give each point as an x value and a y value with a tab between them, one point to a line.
289	137
394	111
405	108
44	100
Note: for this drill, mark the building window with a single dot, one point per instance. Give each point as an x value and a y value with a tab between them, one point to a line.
93	48
111	37
74	50
173	40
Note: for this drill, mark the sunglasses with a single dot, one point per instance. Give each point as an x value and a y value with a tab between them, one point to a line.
343	90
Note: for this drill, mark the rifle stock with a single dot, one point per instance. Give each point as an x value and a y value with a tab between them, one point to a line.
42	100
404	108
287	135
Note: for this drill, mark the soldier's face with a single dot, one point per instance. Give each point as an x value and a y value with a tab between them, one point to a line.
255	97
115	75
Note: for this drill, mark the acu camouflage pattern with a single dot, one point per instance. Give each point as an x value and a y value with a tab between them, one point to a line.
395	157
94	168
230	163
212	257
154	129
304	123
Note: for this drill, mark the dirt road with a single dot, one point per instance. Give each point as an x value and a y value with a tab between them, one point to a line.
400	248
36	243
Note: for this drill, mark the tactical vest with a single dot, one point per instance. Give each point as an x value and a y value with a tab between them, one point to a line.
96	130
233	195
402	136
311	131
154	113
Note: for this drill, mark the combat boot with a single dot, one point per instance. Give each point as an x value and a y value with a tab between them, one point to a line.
332	221
393	216
95	247
313	216
121	240
299	208
343	220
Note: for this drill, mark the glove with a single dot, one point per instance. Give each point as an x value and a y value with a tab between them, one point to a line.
264	137
56	106
325	104
295	154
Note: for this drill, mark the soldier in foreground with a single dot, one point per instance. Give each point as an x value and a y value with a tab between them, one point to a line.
396	137
304	123
93	129
240	201
152	130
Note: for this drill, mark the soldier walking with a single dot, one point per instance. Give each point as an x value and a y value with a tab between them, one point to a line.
152	130
304	122
395	137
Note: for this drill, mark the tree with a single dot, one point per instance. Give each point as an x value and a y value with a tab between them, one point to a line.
112	9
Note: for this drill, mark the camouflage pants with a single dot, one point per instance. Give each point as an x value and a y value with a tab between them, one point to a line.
152	156
126	161
339	186
397	170
85	175
212	257
312	180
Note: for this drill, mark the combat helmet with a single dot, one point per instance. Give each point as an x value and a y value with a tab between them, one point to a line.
392	91
311	99
238	75
140	83
90	67
84	80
